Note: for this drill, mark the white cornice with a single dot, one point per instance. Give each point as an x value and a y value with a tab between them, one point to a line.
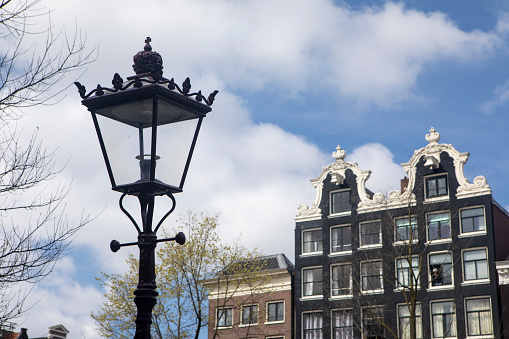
395	198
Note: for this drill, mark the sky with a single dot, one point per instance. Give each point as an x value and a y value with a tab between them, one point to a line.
295	79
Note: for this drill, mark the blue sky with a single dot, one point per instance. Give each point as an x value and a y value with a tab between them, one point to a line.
296	78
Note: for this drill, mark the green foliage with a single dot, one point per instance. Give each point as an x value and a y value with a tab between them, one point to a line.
182	308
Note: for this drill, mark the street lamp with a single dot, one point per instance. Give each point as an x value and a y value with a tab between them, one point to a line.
141	123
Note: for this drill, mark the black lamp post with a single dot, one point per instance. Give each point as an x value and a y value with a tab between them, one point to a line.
140	123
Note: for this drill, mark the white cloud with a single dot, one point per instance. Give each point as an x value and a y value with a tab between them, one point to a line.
499	98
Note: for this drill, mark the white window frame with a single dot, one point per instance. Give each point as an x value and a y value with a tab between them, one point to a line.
439	198
302	321
267	311
474	281
430	277
410	268
363	312
377	245
473	233
302	242
417	316
338	214
481	336
332	228
441	240
313	296
332	319
416	229
217	317
377	290
454	319
341	296
241	324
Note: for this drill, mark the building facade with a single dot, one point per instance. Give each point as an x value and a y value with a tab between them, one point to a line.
419	263
256	308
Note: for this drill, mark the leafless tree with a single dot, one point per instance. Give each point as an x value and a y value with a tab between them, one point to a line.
34	230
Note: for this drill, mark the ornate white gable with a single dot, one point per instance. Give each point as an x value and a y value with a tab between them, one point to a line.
431	154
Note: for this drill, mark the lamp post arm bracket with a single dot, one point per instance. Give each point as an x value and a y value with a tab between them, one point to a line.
127	213
169	212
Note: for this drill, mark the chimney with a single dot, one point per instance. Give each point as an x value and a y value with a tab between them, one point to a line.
404	184
23	334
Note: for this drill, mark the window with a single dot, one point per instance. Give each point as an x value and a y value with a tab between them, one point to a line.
443	319
406	229
407	272
436	186
479	320
249	314
472	220
440	268
475	264
312	282
371	275
404	322
341	238
341	280
275	311
370	233
340	202
224	317
312	325
312	241
342	324
439	226
372	319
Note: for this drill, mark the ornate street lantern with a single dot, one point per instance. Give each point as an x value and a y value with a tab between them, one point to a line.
147	128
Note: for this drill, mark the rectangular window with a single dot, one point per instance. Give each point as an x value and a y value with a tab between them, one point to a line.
406	229
275	311
436	186
342	324
249	314
341	280
479	320
443	319
472	220
370	233
372	320
341	239
224	317
340	202
312	325
439	226
312	241
475	264
407	272
312	283
440	268
405	320
371	275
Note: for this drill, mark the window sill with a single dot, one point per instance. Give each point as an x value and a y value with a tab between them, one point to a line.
341	297
338	254
274	322
475	282
472	234
368	247
481	337
248	325
311	254
340	214
441	288
436	199
312	297
224	327
403	289
405	242
379	291
438	241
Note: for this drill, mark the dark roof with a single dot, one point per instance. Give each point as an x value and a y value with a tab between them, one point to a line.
267	263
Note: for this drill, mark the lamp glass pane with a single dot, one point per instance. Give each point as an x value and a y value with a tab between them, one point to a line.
127	148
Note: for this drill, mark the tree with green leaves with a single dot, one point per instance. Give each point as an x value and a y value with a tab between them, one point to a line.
182	306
